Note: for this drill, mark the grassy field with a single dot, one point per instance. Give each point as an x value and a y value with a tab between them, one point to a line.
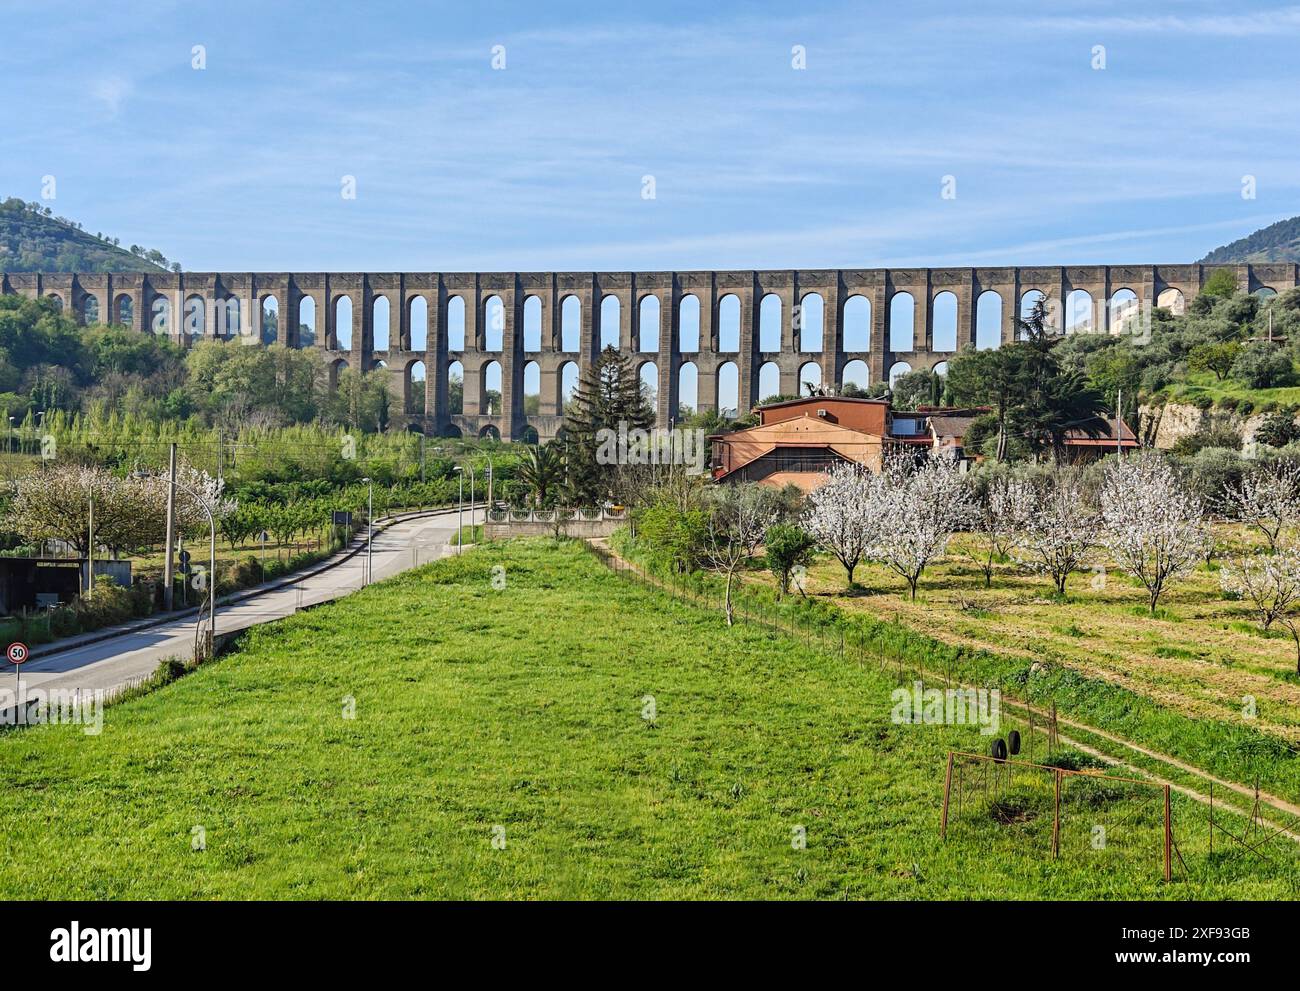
1201	654
1204	384
524	708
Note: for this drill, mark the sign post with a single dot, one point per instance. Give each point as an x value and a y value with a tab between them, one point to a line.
17	654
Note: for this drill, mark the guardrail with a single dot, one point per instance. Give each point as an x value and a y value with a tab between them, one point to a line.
523	516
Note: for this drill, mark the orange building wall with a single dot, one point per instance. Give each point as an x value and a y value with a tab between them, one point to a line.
867	416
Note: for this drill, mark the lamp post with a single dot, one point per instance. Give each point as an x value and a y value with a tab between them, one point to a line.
370	532
460	504
212	570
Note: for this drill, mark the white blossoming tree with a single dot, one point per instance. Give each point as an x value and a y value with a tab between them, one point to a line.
999	518
1268	500
918	509
738	518
1271	582
1152	524
1061	528
839	515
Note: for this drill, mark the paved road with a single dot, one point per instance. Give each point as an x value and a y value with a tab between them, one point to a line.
112	663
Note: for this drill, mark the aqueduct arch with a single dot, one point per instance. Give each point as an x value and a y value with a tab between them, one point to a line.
871	322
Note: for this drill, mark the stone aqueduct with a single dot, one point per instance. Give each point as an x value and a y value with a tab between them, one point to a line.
650	307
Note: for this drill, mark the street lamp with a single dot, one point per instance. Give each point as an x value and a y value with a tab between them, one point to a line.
212	569
370	532
460	505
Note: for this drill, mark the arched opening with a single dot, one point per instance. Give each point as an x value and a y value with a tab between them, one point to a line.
648	376
57	301
610	313
649	319
902	322
455	324
230	316
270	319
811	322
568	383
688	325
810	378
528	435
532	324
456	388
125	310
336	368
769	323
1027	303
1124	311
988	320
490	432
379	322
1172	300
343	323
857	324
489	394
532	388
489	390
90	310
416	382
856	377
769	381
940	369
729	324
570	325
1078	312
1265	293
897	371
417	322
160	316
728	389
306	322
494	324
943	322
195	317
688	390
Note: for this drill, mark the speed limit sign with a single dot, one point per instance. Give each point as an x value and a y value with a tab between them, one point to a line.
17	653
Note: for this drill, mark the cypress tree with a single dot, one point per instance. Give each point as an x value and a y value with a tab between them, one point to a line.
608	397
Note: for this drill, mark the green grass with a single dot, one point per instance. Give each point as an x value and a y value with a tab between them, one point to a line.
479	706
1203	384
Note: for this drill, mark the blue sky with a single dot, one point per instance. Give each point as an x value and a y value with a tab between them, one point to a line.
540	166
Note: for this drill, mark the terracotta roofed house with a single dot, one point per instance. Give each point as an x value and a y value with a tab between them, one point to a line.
797	441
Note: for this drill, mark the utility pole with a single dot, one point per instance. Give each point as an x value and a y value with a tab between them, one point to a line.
169	578
1119	407
90	549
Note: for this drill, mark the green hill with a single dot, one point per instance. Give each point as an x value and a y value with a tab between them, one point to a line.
32	239
1278	242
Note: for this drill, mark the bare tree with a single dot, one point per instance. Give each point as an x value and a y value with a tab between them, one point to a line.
738	518
1267	500
919	509
1272	584
839	516
1061	529
1152	524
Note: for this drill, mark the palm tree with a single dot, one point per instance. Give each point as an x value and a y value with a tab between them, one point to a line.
541	470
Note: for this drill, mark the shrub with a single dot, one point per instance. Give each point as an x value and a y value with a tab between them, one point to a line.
1217	435
1278	430
1263	366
